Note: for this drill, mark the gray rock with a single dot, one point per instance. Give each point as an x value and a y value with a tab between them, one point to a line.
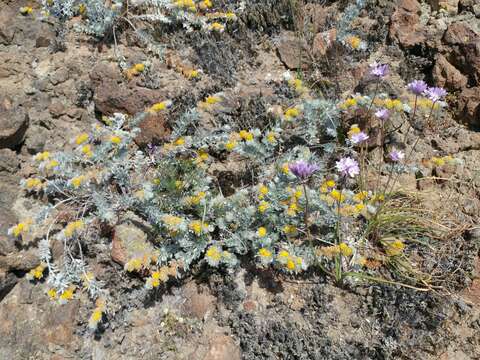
13	123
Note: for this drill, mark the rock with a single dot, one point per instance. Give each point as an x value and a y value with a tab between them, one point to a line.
7	31
222	347
450	6
469	106
447	76
323	41
154	130
31	326
24	261
112	92
199	302
8	161
57	108
464	43
128	242
405	26
292	51
13	123
35	139
7	220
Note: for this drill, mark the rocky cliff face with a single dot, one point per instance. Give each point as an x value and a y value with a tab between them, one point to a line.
55	83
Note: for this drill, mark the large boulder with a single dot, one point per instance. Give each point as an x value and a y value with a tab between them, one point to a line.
13	123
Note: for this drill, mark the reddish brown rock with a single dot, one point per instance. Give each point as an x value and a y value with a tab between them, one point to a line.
13	123
469	106
154	130
405	27
323	41
129	242
464	45
199	302
293	51
448	76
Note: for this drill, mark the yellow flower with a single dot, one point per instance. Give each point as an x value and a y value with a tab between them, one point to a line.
96	315
289	229
202	155
72	228
193	74
285	169
264	253
345	250
348	103
283	255
205	4
354	42
42	156
52	164
230	145
337	195
26	10
114	139
359	207
290	265
33	183
263	189
263	206
246	135
179	141
67	295
272	137
362	195
395	248
87	150
20	229
292	113
230	16
77	181
438	161
327	185
134	264
211	100
158	107
262	231
214	253
195	200
297	84
80	139
354	129
292	209
82	9
393	104
217	27
36	273
139	67
179	184
52	294
197	227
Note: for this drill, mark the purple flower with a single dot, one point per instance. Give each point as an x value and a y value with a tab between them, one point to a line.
417	87
396	155
302	169
435	93
383	114
358	137
379	70
348	167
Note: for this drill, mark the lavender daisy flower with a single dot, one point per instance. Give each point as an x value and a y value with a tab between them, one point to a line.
417	87
383	114
348	167
358	137
396	155
302	169
435	93
379	70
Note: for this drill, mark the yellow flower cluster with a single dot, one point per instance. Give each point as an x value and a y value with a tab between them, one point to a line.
202	156
185	4
73	228
141	262
42	156
77	181
196	199
289	230
209	101
246	135
265	255
390	104
290	262
80	139
115	139
67	295
233	139
291	113
292	202
327	186
229	15
159	106
217	27
33	184
87	150
52	164
332	251
198	227
26	10
263	206
36	273
297	85
272	137
347	104
172	222
440	161
97	314
262	191
261	232
135	70
394	248
354	42
21	228
162	275
425	104
214	254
